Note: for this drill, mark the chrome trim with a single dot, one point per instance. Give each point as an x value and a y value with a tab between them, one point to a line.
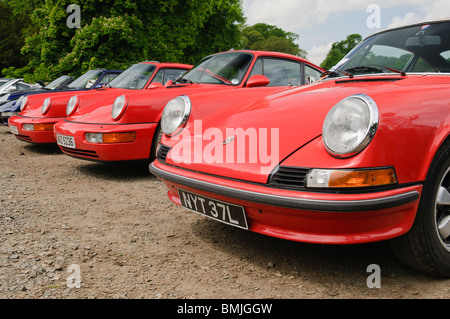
337	206
370	131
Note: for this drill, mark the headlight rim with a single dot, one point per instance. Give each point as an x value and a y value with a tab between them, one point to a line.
370	131
46	105
74	107
23	102
183	119
123	108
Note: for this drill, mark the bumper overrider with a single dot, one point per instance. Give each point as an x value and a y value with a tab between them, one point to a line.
305	216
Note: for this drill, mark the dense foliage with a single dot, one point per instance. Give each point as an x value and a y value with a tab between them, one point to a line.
339	50
113	34
266	37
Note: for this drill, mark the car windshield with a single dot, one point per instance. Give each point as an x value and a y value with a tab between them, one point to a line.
421	48
135	77
225	68
56	83
3	82
86	80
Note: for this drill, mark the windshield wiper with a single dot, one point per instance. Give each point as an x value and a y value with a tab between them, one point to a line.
181	79
336	72
375	68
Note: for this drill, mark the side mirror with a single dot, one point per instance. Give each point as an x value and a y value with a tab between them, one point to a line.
155	85
258	80
11	89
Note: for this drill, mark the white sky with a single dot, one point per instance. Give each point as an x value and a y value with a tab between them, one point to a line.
319	23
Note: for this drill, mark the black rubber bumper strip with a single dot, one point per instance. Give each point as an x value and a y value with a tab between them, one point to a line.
290	202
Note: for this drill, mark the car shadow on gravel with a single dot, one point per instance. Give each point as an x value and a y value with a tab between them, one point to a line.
43	149
116	171
320	261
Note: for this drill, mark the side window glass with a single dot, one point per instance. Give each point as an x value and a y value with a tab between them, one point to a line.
282	72
172	75
257	68
107	78
159	76
311	75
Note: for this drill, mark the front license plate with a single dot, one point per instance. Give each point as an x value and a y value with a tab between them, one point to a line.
13	129
227	213
66	141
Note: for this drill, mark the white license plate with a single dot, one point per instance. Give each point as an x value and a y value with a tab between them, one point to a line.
13	129
227	213
66	141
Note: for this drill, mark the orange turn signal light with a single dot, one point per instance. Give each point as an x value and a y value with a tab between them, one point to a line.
362	178
123	137
43	127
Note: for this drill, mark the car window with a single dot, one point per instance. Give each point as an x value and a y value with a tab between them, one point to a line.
135	77
386	56
108	78
311	74
86	80
164	75
422	66
22	87
417	48
446	55
280	72
225	68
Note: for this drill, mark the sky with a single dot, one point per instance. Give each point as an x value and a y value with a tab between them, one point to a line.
319	23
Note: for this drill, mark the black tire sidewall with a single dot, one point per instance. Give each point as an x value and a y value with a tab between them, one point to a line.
426	217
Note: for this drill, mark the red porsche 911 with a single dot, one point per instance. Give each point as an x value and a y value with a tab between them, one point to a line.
129	128
40	112
361	156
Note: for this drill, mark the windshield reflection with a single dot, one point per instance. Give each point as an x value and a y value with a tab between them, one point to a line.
416	49
135	77
225	68
86	80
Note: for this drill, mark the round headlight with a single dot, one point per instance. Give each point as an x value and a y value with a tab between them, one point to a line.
23	102
119	107
175	114
46	105
72	105
350	126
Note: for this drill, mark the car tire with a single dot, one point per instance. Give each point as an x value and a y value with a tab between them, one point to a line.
155	142
425	247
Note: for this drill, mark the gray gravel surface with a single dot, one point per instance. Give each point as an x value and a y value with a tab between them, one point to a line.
77	229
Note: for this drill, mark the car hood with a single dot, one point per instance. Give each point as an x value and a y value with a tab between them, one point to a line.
147	105
277	125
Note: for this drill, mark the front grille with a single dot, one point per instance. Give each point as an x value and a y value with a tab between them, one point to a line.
161	154
289	177
76	152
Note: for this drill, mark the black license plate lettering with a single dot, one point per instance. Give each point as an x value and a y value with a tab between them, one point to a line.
225	212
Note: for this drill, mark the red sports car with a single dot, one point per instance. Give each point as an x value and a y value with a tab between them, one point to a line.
128	128
39	113
361	156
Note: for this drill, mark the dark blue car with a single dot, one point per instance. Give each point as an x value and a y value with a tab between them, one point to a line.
10	103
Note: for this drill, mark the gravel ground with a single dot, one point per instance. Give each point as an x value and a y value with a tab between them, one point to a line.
77	229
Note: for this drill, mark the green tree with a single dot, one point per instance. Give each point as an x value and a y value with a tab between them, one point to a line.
339	50
115	34
267	37
14	24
